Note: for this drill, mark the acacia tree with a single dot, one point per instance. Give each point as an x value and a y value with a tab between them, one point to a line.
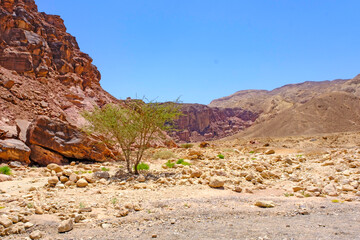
132	127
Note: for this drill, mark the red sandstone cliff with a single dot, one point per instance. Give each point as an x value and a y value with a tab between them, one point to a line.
201	122
42	70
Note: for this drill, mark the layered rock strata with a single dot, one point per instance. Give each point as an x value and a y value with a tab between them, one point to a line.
200	122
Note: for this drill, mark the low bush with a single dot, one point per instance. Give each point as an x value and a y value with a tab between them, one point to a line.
221	156
164	154
187	145
182	162
143	166
170	164
5	170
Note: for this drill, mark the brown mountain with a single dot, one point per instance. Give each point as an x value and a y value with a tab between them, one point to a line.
270	103
328	113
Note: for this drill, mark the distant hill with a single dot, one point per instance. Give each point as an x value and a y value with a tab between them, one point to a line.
328	113
300	109
270	103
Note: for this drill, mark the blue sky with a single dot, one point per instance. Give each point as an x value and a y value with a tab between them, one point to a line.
205	49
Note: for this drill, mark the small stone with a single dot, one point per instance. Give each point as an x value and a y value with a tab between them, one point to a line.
73	177
38	210
28	225
330	190
265	204
69	183
64	179
347	188
122	212
101	175
237	189
216	182
312	189
65	226
78	218
6	222
141	178
268	152
72	163
53	180
82	183
137	207
54	167
154	236
67	172
196	174
297	188
85	209
90	178
36	234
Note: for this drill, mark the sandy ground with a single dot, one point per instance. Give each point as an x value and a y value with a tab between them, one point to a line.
187	208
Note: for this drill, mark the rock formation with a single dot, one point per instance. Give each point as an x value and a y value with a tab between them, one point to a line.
200	122
44	73
42	70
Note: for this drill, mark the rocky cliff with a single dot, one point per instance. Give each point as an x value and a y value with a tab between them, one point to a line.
200	122
42	70
44	79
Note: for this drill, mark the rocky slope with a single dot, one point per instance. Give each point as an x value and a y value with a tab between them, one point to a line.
328	113
42	70
270	103
47	80
305	108
201	122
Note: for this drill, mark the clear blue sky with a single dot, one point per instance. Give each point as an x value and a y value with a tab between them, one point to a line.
205	49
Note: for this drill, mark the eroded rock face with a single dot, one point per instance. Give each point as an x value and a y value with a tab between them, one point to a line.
42	70
201	122
63	139
14	150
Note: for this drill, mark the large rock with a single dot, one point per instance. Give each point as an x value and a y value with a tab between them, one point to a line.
200	122
41	65
14	150
66	226
22	127
44	157
67	140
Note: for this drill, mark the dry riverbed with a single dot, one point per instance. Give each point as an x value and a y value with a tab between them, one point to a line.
308	189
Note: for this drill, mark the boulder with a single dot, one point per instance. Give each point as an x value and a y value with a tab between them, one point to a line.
216	182
21	127
14	150
44	157
7	131
67	140
65	226
54	167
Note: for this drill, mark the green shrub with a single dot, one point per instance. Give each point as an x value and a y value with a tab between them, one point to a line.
143	166
187	145
251	152
5	170
183	162
170	164
104	169
134	123
221	156
164	154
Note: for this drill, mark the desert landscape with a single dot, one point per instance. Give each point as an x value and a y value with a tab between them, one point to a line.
258	164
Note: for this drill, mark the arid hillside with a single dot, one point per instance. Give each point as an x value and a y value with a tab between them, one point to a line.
42	70
328	113
270	103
